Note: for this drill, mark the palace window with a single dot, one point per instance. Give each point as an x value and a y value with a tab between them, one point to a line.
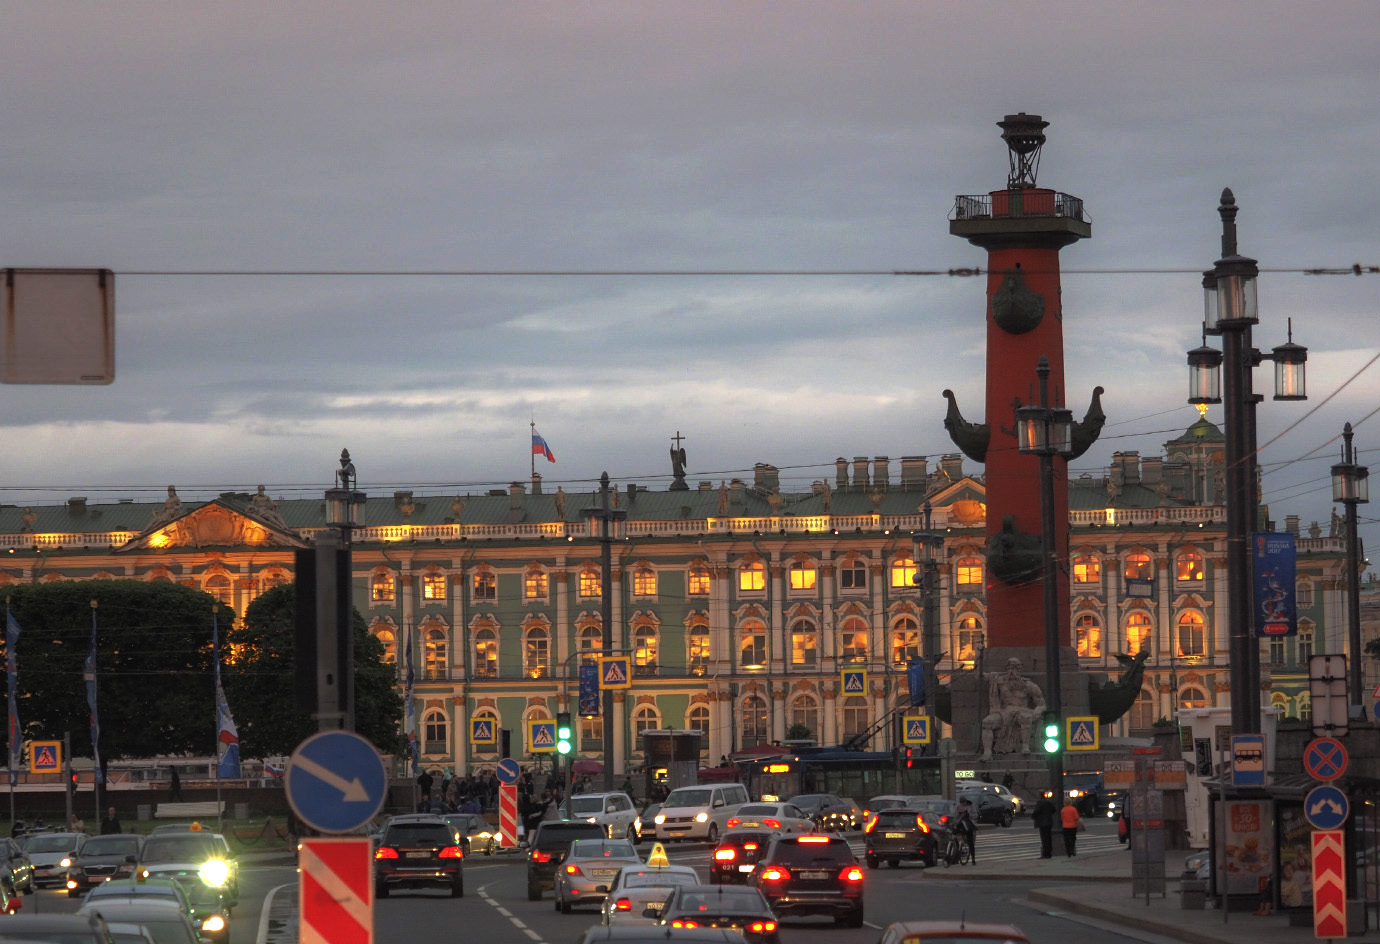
805	712
1305	706
486	654
1303	592
1088	633
535	585
435	732
219	586
1275	652
433	586
968	574
969	637
390	645
804	644
645	649
592	734
853	640
644	582
697	647
435	658
903	573
485	584
857	716
381	588
754	724
853	574
1190	635
697	583
753	648
1139	566
590	583
1193	697
1305	641
1188	567
698	720
591	642
752	577
1143	710
536	652
905	641
1087	569
1139	628
803	575
644	718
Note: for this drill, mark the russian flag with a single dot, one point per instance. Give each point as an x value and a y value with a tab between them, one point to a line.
540	448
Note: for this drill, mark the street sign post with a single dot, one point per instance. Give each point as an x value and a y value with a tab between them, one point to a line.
1248	760
335	781
1326	807
335	892
508	771
1329	885
1325	758
1081	734
507	815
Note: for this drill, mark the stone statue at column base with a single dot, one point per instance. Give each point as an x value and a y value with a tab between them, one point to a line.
1016	703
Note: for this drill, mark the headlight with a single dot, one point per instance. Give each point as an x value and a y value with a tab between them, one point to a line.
659	818
65	863
484	835
215	872
213	923
591	819
701	817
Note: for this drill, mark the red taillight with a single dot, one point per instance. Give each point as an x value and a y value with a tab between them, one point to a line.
572	870
920	823
724	855
943	819
750	846
452	852
775	874
539	856
684	923
871	825
866	813
386	852
851	874
734	821
622	904
762	927
813	840
773	823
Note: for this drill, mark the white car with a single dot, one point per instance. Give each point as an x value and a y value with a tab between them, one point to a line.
772	817
699	812
639	889
614	811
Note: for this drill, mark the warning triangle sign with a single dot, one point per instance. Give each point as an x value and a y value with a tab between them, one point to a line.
1376	694
613	673
45	757
916	729
853	683
483	731
1082	733
544	736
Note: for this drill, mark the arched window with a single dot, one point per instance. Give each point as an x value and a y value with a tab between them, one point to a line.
697	647
1281	701
853	640
1190	636
697	719
1088	636
644	582
803	574
804	644
752	577
1303	592
969	637
1305	641
645	649
534	584
1139	566
753	646
1139	628
219	586
857	716
485	654
435	659
1191	696
381	587
390	645
903	573
968	574
435	732
1188	567
590	583
754	724
905	641
536	652
272	579
1087	569
591	642
1143	710
644	718
697	581
434	586
853	574
805	713
485	585
487	714
1305	706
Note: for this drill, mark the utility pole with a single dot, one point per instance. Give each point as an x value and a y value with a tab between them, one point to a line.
606	515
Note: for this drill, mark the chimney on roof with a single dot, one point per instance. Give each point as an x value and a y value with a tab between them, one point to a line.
706	485
952	465
914	470
1152	471
841	473
632	494
1291	524
76	506
766	477
536	483
735	488
515	493
881	473
860	473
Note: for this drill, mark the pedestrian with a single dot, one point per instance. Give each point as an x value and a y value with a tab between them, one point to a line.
1008	780
986	777
553	807
111	823
967	828
424	782
627	786
1043	815
1071	823
174	785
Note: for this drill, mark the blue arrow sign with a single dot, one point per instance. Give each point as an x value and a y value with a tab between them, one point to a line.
335	781
1326	807
508	771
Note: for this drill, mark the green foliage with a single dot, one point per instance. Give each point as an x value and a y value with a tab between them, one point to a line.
259	685
798	732
1372	648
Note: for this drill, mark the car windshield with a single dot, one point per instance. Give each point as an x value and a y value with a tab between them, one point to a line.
111	845
1080	780
810	802
720	901
586	805
651	811
601	848
658	879
688	796
417	834
757	809
51	843
188	848
894	820
812	853
140	890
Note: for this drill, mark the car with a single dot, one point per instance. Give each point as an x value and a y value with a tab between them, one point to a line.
418	850
547	848
951	932
645	824
778	817
194	858
16	869
103	858
831	813
638	892
699	812
202	904
901	834
994	788
169	924
940	813
68	928
616	812
51	855
734	858
988	807
9	901
589	868
1085	789
127	933
735	909
805	875
657	935
475	832
891	801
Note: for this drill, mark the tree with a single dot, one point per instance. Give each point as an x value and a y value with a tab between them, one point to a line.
155	693
259	682
798	732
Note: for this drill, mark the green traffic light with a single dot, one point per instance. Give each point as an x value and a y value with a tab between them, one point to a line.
1052	737
562	746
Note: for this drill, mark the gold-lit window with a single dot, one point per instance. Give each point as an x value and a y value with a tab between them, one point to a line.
645	649
1139	566
381	588
969	637
698	581
804	643
802	575
753	649
968	572
1138	630
754	725
1191	635
485	585
905	641
536	652
697	648
752	576
534	585
390	645
1189	566
853	640
219	586
903	573
1088	636
1086	569
433	586
644	582
486	654
435	663
591	641
590	583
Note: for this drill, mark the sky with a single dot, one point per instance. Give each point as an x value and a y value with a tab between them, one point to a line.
284	192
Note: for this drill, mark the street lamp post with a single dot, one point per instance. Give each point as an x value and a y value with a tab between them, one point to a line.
1351	487
927	545
606	515
334	636
1230	311
1047	432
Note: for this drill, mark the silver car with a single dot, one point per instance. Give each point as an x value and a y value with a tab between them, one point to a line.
637	894
52	855
589	869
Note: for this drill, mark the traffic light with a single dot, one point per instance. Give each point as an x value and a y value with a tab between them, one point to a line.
909	757
1052	740
565	735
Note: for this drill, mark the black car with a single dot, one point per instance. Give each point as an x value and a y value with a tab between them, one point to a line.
831	813
901	834
735	909
16	871
804	875
547	848
734	857
651	934
103	858
418	850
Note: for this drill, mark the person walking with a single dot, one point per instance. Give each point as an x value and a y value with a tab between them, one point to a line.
1043	816
1071	823
111	823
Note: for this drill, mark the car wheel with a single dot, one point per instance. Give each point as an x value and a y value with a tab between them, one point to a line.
872	862
1006	821
72	893
380	891
457	890
564	907
855	920
533	892
714	832
632	834
29	887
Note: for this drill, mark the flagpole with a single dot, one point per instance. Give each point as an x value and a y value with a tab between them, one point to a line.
533	452
215	700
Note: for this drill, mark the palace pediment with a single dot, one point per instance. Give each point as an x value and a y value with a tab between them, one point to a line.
214	525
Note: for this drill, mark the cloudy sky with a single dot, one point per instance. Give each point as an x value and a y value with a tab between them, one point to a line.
213	154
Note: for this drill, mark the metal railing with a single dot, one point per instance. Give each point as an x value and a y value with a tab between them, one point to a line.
1017	204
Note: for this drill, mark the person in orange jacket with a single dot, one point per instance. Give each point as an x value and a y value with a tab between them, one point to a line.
1071	823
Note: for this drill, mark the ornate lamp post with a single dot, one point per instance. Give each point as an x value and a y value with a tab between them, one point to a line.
1351	487
344	502
1230	311
331	640
1046	431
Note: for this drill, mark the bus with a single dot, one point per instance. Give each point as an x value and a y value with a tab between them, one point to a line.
857	775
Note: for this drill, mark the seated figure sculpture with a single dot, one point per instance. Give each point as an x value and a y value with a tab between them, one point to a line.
1015	703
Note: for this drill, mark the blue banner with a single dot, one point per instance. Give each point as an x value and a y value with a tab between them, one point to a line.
1273	565
589	690
227	735
915	678
12	674
90	674
414	750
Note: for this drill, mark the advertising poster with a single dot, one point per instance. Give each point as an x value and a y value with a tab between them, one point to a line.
1295	859
1273	560
1247	846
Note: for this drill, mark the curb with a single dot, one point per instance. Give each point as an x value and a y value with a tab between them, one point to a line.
1170	929
966	875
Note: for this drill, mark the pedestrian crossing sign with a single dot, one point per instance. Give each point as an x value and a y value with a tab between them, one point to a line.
483	731
917	730
1082	735
853	681
45	757
615	672
541	737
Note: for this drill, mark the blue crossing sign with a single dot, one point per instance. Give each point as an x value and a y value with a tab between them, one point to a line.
917	730
1326	807
508	771
335	781
853	682
614	672
45	757
1082	734
541	737
483	731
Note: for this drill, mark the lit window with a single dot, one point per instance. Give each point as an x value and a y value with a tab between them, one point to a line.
698	720
754	645
902	573
853	640
1193	697
591	641
697	648
1138	630
390	645
592	734
805	714
645	718
274	578
1189	567
853	575
698	581
1086	569
1191	638
645	649
435	659
485	654
644	582
857	716
485	585
534	585
802	575
1088	633
804	643
754	725
968	573
905	641
752	577
590	584
1305	702
536	652
1139	566
968	639
381	588
219	586
433	586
